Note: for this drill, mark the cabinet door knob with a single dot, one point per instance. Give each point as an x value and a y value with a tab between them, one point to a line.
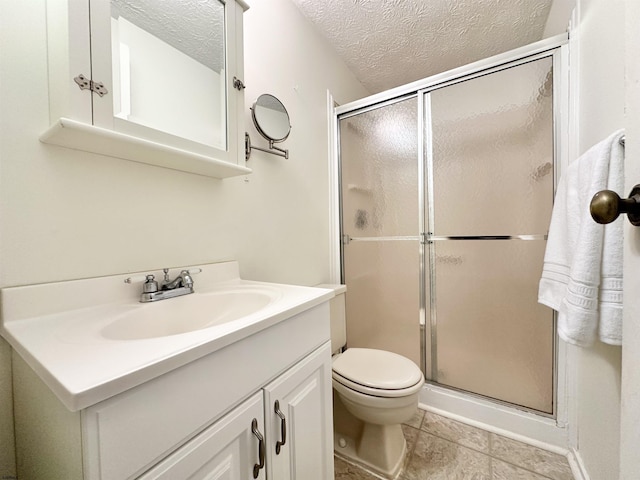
283	428
258	466
607	205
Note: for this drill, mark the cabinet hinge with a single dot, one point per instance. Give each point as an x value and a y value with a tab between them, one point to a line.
238	84
346	239
85	84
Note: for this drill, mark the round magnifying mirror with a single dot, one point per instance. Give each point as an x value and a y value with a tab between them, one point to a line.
271	118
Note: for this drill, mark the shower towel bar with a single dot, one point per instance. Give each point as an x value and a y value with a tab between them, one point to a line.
606	205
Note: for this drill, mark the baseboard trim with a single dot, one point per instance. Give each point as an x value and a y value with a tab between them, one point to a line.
577	465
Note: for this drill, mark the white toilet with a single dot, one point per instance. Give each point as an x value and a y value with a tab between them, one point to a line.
377	387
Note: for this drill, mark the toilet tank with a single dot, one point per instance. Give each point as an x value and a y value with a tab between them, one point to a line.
338	316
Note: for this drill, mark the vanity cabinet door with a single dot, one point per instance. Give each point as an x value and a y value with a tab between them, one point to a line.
303	394
227	450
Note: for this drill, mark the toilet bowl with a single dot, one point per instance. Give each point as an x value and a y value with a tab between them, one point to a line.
377	387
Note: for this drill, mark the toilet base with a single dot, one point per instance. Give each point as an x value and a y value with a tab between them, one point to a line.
380	448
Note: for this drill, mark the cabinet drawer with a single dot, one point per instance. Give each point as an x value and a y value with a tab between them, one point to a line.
125	435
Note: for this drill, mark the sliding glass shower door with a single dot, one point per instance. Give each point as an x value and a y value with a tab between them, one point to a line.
380	227
446	198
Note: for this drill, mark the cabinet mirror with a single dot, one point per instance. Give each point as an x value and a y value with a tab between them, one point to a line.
168	67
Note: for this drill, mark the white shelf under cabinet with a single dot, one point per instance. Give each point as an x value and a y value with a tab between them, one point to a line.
89	138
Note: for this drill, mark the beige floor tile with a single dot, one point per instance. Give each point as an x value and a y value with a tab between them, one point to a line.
446	450
410	435
504	471
457	432
348	471
437	459
535	459
416	420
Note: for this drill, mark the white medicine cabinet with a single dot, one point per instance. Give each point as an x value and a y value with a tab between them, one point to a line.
152	81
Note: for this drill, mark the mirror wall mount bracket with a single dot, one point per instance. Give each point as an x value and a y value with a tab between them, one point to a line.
280	152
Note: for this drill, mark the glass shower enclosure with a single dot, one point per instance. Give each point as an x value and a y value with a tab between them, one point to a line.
446	197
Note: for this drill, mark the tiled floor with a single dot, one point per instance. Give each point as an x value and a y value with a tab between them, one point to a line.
442	449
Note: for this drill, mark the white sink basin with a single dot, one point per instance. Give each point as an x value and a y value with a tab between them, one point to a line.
91	339
188	313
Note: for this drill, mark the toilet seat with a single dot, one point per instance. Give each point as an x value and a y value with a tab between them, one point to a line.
376	392
377	372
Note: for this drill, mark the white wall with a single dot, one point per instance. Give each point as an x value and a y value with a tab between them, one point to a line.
601	111
67	214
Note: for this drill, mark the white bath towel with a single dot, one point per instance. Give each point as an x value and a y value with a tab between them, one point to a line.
582	272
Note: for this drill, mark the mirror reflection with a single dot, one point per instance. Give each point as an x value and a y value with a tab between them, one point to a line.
169	67
271	118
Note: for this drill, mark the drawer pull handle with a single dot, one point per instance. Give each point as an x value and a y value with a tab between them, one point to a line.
258	466
283	428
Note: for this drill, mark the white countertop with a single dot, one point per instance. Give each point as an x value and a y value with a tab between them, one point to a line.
59	330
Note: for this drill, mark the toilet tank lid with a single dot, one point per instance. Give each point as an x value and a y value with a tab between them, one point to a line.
336	287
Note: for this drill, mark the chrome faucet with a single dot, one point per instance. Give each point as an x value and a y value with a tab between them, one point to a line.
182	280
181	285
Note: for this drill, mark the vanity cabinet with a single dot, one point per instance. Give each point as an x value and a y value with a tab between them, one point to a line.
153	82
196	421
298	410
231	448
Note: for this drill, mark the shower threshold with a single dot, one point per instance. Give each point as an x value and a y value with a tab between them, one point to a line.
495	416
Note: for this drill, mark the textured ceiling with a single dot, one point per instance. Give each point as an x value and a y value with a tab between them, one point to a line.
388	43
196	28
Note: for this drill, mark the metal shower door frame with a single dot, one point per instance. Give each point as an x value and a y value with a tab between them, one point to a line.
429	346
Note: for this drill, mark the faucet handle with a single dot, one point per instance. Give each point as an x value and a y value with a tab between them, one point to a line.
150	284
136	279
191	271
